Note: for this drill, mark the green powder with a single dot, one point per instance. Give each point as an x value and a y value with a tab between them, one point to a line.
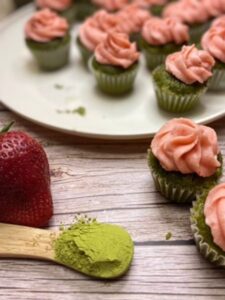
96	249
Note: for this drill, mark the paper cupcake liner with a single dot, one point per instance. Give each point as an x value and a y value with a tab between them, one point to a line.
176	103
52	59
115	84
172	191
197	31
207	250
86	54
217	82
153	60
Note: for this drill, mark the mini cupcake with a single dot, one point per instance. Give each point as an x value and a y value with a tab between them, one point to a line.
131	20
48	38
115	64
64	8
161	37
207	224
93	31
184	160
191	12
214	42
183	80
110	5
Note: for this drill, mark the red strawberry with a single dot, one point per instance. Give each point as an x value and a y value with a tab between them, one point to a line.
25	195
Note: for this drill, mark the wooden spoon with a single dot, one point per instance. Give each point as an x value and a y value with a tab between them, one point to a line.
26	242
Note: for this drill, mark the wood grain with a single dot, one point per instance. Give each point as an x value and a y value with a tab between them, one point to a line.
111	181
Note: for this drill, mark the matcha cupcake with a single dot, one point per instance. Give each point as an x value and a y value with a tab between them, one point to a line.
131	20
93	31
184	159
181	82
207	224
161	37
65	8
48	38
192	13
115	64
213	41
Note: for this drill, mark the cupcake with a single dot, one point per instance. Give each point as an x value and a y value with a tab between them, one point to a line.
115	64
84	9
207	224
191	12
64	8
131	20
214	42
48	38
110	5
184	160
161	37
93	31
181	82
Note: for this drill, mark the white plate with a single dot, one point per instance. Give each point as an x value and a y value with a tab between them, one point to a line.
33	94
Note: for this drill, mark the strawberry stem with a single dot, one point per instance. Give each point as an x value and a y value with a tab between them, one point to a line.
7	127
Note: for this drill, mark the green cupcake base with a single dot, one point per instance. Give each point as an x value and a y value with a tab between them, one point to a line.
52	55
202	234
114	80
173	95
217	82
156	10
84	9
86	54
197	30
177	187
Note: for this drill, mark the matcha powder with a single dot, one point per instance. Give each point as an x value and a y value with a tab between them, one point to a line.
96	249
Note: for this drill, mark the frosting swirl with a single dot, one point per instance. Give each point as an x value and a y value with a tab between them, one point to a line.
157	31
58	5
213	41
220	21
131	19
45	26
183	146
94	29
187	11
117	50
190	65
149	3
111	5
214	7
214	211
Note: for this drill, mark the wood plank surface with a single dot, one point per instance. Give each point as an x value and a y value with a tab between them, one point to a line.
111	181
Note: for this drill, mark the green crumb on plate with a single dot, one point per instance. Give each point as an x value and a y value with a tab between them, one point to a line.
79	110
168	236
58	86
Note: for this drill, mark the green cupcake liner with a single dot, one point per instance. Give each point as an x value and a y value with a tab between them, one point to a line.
51	56
202	234
171	102
177	187
217	82
115	84
86	54
196	31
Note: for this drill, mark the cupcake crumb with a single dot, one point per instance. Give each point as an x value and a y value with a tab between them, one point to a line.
168	236
79	110
58	86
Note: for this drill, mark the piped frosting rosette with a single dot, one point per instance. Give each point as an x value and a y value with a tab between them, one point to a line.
213	41
208	224
214	8
111	5
58	5
184	159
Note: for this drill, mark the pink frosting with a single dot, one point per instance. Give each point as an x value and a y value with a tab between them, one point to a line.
117	50
58	5
94	30
187	11
190	65
183	146
149	3
111	5
214	7
214	211
220	21
45	26
131	19
214	42
157	31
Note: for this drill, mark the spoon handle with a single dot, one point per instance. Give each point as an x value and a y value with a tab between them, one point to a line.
26	242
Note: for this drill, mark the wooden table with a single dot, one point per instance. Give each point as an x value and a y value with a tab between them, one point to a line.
111	181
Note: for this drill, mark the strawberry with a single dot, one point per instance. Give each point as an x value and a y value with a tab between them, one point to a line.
25	195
